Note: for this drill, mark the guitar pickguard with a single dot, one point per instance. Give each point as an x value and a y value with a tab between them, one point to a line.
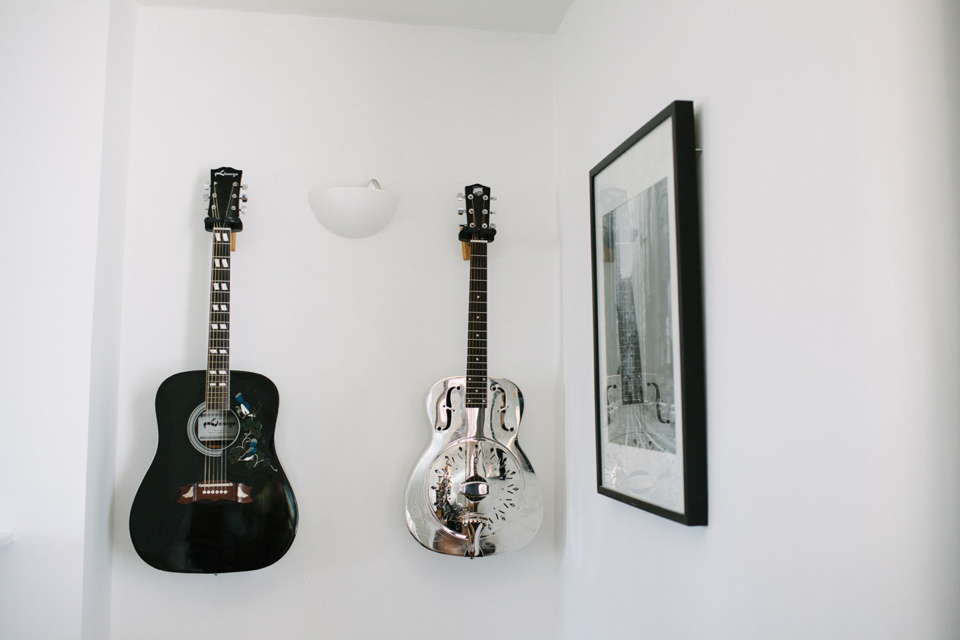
249	450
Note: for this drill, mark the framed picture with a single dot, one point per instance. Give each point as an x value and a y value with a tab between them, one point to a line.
648	321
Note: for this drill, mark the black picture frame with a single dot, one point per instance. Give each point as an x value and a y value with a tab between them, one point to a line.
648	330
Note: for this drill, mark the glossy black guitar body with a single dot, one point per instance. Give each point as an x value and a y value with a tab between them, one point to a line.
214	536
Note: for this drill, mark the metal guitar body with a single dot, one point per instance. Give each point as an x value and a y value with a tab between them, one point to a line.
473	492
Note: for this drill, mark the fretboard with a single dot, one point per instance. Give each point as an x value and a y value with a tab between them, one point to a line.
218	344
477	326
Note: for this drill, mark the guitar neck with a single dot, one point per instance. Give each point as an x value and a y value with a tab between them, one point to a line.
218	342
477	326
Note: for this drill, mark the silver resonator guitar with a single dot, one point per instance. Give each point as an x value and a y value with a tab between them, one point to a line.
473	492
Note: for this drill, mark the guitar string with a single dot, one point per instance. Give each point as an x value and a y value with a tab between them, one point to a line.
482	332
477	273
221	418
226	358
219	358
211	380
482	342
476	305
207	395
470	385
219	364
217	392
225	399
481	276
218	400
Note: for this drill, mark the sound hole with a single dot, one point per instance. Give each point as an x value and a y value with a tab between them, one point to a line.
212	430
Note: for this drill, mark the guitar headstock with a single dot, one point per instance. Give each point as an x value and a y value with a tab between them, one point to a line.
224	202
477	200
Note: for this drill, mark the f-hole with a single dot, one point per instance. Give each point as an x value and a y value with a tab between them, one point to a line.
502	410
656	388
610	388
447	407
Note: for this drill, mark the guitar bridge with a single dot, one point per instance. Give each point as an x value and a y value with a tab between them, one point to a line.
213	491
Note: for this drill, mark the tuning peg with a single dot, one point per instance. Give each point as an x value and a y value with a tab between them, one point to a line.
493	197
244	187
243	209
459	196
493	213
206	185
460	211
493	226
243	198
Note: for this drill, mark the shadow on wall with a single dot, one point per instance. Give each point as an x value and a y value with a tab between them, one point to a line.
944	268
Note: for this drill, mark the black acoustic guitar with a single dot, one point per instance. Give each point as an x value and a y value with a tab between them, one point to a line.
215	498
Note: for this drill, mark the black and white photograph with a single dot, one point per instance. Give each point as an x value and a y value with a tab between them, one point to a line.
639	380
649	371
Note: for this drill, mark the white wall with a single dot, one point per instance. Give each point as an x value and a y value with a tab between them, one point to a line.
830	134
53	60
353	332
830	255
105	340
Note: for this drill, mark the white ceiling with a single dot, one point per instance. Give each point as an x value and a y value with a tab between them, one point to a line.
530	16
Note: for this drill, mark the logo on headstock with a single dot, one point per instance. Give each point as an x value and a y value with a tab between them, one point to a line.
224	173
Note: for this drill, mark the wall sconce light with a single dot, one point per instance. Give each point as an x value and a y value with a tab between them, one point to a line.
354	212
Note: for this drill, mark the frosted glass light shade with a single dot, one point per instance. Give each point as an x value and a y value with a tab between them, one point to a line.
354	212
